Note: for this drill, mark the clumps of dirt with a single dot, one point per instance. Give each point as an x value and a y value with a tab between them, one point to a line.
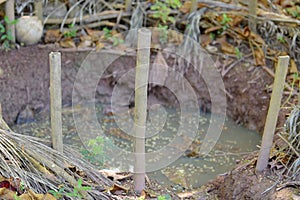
244	183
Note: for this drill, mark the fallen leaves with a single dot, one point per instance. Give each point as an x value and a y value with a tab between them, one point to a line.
10	189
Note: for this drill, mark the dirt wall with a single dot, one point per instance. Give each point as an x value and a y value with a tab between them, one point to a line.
24	83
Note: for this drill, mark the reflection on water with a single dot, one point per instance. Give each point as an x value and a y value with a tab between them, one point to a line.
165	127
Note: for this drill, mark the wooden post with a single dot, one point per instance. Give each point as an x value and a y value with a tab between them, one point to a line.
128	5
38	8
140	109
275	102
55	98
194	6
252	15
10	13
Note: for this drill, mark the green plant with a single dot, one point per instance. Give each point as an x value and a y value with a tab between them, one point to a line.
281	39
78	189
108	36
163	10
70	33
164	197
58	194
238	53
96	154
294	11
75	193
16	197
212	36
6	36
163	35
225	23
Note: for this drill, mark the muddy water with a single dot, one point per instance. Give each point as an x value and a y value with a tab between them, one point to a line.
190	170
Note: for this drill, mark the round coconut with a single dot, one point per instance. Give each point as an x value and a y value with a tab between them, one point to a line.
29	30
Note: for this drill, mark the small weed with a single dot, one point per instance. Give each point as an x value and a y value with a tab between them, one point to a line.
294	11
16	197
163	9
238	53
225	23
70	33
281	39
108	36
164	197
58	194
76	191
6	36
98	147
212	36
163	35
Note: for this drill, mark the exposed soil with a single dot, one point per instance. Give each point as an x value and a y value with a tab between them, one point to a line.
24	86
24	82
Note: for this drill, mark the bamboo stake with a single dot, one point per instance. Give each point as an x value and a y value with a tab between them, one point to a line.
194	6
252	18
10	13
128	5
55	98
38	7
270	126
140	109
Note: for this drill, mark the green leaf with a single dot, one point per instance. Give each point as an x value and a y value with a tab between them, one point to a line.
79	182
3	37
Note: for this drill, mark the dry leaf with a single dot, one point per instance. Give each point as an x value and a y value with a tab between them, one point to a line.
7	194
94	34
31	195
259	57
52	36
116	176
86	41
117	187
225	46
293	68
99	45
186	7
159	70
67	43
212	29
175	37
205	40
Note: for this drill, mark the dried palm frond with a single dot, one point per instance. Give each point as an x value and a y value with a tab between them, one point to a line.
292	152
42	168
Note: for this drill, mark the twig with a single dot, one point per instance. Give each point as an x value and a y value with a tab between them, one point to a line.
290	183
90	18
291	146
222	5
270	72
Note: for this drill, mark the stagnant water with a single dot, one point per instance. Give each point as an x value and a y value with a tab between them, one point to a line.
190	170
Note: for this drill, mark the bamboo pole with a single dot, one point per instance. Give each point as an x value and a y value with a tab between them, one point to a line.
194	6
55	98
140	109
10	13
252	18
270	126
38	7
128	5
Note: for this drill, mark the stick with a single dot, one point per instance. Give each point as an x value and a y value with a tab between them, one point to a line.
252	18
89	18
270	126
38	8
10	13
55	98
140	109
